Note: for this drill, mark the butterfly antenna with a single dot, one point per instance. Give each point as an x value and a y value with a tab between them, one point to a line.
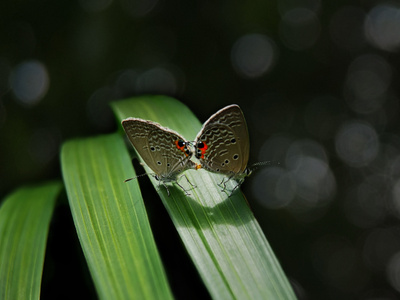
129	179
263	163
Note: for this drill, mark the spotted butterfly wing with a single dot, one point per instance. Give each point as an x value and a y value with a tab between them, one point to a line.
163	150
222	145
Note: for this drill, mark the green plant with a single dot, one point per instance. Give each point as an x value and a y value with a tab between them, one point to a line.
219	232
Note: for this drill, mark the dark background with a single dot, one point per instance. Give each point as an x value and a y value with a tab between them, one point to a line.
318	84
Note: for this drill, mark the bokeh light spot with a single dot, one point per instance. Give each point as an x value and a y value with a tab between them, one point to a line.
367	203
304	148
274	187
315	182
253	55
357	143
307	183
157	80
29	82
382	27
368	79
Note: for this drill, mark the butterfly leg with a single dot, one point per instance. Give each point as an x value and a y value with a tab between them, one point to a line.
224	182
187	179
161	182
239	183
183	189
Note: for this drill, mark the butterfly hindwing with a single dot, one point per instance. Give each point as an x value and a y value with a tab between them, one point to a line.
168	156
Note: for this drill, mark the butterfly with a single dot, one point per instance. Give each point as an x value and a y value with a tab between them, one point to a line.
165	151
223	146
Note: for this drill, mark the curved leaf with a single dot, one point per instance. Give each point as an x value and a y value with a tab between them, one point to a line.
24	224
111	220
220	233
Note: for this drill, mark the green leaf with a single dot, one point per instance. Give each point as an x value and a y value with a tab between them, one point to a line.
220	233
24	224
111	220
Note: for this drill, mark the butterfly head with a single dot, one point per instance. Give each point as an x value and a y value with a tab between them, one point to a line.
184	147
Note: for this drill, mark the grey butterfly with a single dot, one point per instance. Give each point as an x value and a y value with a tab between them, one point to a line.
223	145
165	151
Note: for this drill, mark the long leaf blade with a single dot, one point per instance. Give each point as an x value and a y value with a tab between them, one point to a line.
220	233
111	220
24	223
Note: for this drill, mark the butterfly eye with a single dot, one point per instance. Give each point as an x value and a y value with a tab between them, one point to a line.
200	145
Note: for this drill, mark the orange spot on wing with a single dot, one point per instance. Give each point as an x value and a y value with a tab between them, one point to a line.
179	147
203	150
182	148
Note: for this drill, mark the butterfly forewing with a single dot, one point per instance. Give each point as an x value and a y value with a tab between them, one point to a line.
223	143
162	149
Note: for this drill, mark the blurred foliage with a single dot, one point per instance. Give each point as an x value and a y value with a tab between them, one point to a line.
316	81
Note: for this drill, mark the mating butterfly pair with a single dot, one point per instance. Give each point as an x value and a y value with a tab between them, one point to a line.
222	146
